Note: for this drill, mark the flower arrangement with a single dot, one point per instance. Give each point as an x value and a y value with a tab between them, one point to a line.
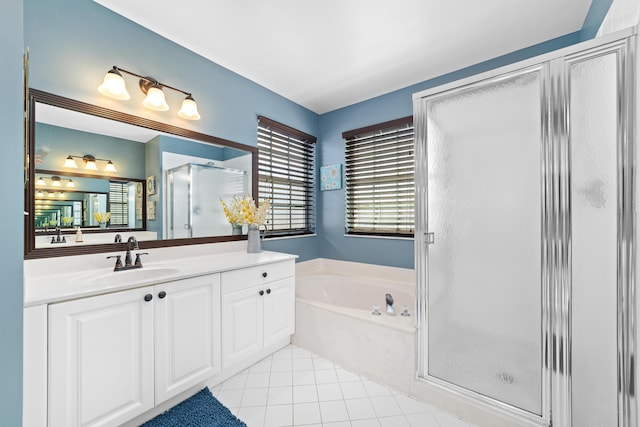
67	220
102	217
243	210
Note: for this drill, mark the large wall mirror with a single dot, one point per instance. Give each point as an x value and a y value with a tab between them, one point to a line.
114	175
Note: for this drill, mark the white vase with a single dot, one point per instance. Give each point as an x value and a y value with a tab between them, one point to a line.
253	239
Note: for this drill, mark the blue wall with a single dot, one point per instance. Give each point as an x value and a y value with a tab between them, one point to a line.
11	217
74	42
399	252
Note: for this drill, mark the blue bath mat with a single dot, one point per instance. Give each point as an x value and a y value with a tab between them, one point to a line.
200	410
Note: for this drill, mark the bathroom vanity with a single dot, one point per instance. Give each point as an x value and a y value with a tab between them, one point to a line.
104	347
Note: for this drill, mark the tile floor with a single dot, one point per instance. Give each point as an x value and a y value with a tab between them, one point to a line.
294	387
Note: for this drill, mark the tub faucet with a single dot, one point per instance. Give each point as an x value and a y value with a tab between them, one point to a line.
391	308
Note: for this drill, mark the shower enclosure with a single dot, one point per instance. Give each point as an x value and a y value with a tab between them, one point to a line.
193	199
525	238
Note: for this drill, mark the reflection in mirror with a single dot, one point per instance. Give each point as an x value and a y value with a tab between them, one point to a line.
108	177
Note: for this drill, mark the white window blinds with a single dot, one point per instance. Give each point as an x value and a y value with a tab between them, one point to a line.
379	170
286	159
118	203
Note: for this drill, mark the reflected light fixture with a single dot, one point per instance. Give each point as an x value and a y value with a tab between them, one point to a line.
89	163
71	184
113	86
55	181
41	181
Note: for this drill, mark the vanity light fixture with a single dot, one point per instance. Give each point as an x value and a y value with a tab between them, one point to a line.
89	163
55	181
113	86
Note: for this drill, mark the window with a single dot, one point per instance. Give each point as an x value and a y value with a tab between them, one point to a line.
379	168
286	177
118	199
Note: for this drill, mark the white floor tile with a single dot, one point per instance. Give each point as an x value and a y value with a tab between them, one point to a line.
353	390
252	416
346	376
447	420
333	411
374	389
372	422
329	392
280	379
359	409
322	363
278	416
326	376
303	378
234	383
294	387
254	397
423	420
229	398
398	421
306	413
303	364
412	406
305	394
280	396
385	406
281	365
257	380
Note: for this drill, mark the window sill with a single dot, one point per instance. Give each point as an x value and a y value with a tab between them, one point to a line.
374	236
294	236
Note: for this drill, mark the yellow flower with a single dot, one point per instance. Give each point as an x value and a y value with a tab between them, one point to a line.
244	211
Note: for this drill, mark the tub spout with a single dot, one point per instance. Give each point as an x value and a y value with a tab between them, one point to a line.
391	308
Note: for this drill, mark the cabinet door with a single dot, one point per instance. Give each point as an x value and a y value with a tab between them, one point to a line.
242	317
100	359
187	333
279	318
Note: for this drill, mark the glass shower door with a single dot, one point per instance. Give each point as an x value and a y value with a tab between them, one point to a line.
484	277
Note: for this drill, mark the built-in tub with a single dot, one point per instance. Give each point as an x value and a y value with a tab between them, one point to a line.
334	318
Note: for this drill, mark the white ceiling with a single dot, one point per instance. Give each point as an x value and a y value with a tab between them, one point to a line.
328	54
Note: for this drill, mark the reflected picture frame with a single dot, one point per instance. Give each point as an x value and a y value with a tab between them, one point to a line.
151	185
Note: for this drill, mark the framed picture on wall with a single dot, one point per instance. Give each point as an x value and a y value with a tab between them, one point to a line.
151	211
151	185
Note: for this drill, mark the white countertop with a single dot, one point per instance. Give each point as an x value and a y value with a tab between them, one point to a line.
54	280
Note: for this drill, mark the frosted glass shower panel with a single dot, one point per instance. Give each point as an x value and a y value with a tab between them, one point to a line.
484	268
194	197
593	134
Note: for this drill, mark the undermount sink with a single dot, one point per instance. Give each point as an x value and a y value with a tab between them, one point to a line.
134	276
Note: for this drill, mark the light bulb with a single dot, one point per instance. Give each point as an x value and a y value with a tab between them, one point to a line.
113	86
155	99
189	109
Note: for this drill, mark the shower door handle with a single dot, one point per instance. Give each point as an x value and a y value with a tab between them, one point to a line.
429	238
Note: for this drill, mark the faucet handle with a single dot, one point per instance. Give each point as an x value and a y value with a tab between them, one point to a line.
138	262
118	261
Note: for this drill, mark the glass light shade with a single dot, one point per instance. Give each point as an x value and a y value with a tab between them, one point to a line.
55	181
155	99
51	194
189	109
69	163
71	184
91	165
110	167
40	194
41	181
113	86
61	195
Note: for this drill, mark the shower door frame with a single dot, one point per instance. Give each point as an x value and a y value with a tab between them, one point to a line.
555	232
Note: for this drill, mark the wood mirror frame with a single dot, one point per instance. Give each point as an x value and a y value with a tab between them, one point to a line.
37	96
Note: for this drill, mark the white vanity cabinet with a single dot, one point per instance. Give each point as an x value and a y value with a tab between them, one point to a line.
115	356
258	305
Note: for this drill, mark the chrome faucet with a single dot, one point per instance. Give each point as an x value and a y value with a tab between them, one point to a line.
391	308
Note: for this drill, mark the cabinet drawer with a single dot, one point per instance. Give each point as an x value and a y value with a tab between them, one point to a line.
244	278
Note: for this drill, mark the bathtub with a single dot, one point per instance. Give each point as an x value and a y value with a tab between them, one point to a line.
334	318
